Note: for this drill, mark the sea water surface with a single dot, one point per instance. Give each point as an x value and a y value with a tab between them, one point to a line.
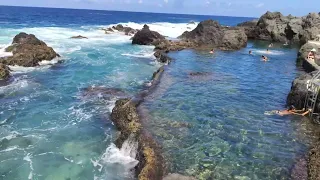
210	126
211	114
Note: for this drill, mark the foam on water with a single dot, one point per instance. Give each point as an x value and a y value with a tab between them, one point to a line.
270	52
3	53
124	156
172	30
28	159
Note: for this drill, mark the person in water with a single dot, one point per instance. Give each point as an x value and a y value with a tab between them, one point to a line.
292	111
268	51
212	51
250	52
264	58
270	45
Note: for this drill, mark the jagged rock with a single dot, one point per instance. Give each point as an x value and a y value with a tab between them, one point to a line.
306	48
28	51
249	28
311	27
162	56
299	92
78	37
147	37
4	72
233	40
211	34
273	26
127	30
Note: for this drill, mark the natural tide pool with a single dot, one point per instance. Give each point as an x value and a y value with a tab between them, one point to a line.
214	125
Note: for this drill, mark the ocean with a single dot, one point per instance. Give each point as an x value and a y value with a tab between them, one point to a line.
53	128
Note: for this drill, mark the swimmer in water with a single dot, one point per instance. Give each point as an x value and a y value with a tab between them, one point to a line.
264	58
268	51
292	111
212	51
250	52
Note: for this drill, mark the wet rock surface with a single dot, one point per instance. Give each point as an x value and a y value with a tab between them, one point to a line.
79	37
147	37
211	34
273	26
4	72
28	51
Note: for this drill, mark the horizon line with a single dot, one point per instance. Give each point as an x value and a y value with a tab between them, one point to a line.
125	11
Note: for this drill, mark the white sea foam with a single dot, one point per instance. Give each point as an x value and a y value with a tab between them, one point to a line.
13	135
28	158
3	53
146	55
172	30
11	148
270	52
124	156
43	65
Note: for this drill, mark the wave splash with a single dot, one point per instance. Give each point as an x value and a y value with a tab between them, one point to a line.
119	162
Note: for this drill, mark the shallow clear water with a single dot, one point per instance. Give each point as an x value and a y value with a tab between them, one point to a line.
215	125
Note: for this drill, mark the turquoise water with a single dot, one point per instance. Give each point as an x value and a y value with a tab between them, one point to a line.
49	130
211	126
215	126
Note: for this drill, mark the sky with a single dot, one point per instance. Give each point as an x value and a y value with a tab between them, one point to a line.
243	8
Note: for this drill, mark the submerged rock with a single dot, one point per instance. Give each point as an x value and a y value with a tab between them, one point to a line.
4	72
79	37
28	51
178	177
147	37
103	92
314	163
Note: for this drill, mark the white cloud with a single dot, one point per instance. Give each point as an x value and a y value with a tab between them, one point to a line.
229	4
140	1
260	5
166	1
160	5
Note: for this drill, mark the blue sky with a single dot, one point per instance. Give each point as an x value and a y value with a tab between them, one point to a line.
250	8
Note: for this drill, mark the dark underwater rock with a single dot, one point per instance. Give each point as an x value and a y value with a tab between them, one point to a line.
314	162
28	51
147	37
94	91
178	177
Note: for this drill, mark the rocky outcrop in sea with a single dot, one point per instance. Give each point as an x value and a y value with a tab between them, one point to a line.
211	34
27	51
275	27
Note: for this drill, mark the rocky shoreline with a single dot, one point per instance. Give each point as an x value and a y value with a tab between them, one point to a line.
27	51
273	27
